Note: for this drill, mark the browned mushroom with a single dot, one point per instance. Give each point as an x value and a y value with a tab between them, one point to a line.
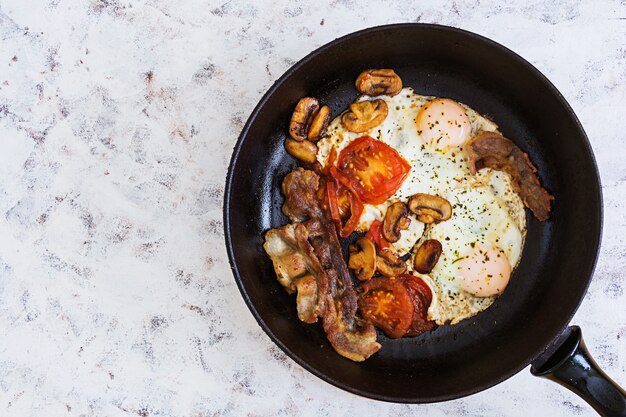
430	208
304	113
305	151
396	219
365	115
319	124
427	256
389	263
377	82
363	259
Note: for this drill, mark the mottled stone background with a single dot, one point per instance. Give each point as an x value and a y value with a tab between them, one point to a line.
117	120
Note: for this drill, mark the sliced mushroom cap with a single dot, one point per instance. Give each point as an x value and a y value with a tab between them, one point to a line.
302	116
363	259
396	219
364	115
376	82
305	151
389	263
427	256
430	208
319	124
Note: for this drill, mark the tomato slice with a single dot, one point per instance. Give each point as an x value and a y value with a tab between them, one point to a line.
373	170
332	158
387	303
419	286
337	197
422	297
375	234
331	190
356	208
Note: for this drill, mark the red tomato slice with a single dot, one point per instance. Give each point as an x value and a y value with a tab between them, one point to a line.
332	158
371	169
375	234
419	286
337	198
422	297
387	303
331	190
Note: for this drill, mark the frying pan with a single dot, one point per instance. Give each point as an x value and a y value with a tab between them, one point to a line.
528	324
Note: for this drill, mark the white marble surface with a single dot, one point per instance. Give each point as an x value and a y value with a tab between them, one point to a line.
117	119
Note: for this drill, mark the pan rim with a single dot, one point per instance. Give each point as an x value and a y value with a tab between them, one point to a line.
227	206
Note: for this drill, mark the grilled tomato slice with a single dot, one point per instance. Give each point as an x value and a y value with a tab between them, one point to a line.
387	303
375	234
422	297
373	170
343	204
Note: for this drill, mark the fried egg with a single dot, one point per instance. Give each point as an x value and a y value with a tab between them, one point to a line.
483	241
481	245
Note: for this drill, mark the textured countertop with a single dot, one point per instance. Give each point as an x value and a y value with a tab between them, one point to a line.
117	120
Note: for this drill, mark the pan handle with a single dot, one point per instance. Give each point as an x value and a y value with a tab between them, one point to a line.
568	362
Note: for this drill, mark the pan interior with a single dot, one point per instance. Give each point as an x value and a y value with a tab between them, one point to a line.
559	255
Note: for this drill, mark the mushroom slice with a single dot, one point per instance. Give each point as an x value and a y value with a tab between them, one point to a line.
430	208
304	113
389	263
377	82
319	124
305	151
364	115
363	259
396	219
427	256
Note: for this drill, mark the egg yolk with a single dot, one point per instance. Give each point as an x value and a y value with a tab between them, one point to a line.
484	270
443	124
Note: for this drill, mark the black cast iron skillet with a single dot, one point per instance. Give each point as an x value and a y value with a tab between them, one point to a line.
528	323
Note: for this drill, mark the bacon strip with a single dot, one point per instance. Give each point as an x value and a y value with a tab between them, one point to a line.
492	150
312	241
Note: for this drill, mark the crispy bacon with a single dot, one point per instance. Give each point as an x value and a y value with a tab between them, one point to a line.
492	150
310	248
300	188
297	268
